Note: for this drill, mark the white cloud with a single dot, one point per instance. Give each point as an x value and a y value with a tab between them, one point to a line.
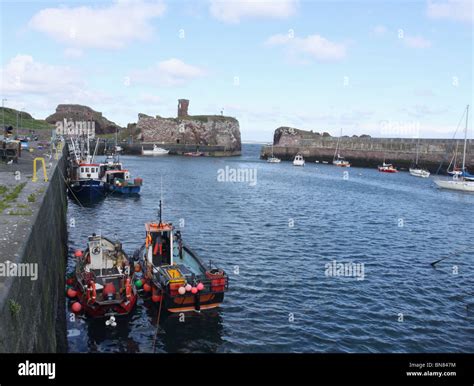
233	11
111	26
457	10
22	74
417	42
379	30
171	72
73	53
315	46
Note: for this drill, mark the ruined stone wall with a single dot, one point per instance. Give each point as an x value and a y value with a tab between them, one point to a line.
207	130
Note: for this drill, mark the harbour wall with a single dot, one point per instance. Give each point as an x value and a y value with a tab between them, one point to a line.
32	312
370	152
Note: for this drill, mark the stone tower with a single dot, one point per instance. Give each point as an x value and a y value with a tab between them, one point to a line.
183	105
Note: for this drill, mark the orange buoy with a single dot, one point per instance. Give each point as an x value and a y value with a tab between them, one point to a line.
71	293
146	287
70	281
138	268
78	253
156	298
76	307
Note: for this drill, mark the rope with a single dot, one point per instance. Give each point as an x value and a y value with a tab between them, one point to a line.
157	323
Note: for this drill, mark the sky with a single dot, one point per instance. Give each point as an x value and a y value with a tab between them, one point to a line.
383	68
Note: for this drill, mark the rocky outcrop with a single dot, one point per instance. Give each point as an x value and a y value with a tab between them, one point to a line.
207	130
78	113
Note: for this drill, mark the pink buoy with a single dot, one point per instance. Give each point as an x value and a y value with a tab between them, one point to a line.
78	253
200	287
76	307
194	290
181	290
188	287
71	293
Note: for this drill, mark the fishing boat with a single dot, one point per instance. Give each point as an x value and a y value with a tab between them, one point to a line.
273	159
84	180
173	275
387	168
299	160
339	161
102	283
465	181
415	170
156	151
117	179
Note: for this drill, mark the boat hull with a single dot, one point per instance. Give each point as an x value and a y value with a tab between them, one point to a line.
419	173
87	190
463	186
96	310
130	189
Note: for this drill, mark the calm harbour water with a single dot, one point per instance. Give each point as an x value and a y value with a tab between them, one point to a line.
280	299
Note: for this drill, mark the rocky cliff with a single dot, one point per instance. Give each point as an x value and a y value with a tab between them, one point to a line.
83	113
205	130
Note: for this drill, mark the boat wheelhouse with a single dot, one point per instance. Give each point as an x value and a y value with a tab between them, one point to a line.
103	283
174	275
120	181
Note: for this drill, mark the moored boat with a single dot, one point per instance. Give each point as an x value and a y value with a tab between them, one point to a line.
339	161
418	172
387	168
174	276
299	160
156	151
465	181
272	159
102	281
194	154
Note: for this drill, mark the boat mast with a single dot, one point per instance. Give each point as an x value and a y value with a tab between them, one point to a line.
337	146
465	140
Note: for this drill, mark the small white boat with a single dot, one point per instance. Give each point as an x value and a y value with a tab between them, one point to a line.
299	160
340	161
418	172
273	160
387	168
156	151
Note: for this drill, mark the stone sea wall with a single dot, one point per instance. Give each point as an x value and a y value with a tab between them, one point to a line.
32	312
366	151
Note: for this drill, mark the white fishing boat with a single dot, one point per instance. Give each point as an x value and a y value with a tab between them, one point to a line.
462	182
416	171
299	160
340	161
273	159
156	151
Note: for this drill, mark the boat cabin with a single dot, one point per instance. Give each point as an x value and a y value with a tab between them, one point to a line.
88	171
111	175
159	243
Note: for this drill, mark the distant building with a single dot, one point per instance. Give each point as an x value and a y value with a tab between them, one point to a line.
183	105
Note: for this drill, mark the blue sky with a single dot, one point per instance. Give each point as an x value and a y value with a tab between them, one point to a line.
385	68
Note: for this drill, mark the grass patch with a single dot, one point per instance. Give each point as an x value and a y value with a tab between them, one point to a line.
14	307
20	213
22	206
13	195
3	190
32	197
